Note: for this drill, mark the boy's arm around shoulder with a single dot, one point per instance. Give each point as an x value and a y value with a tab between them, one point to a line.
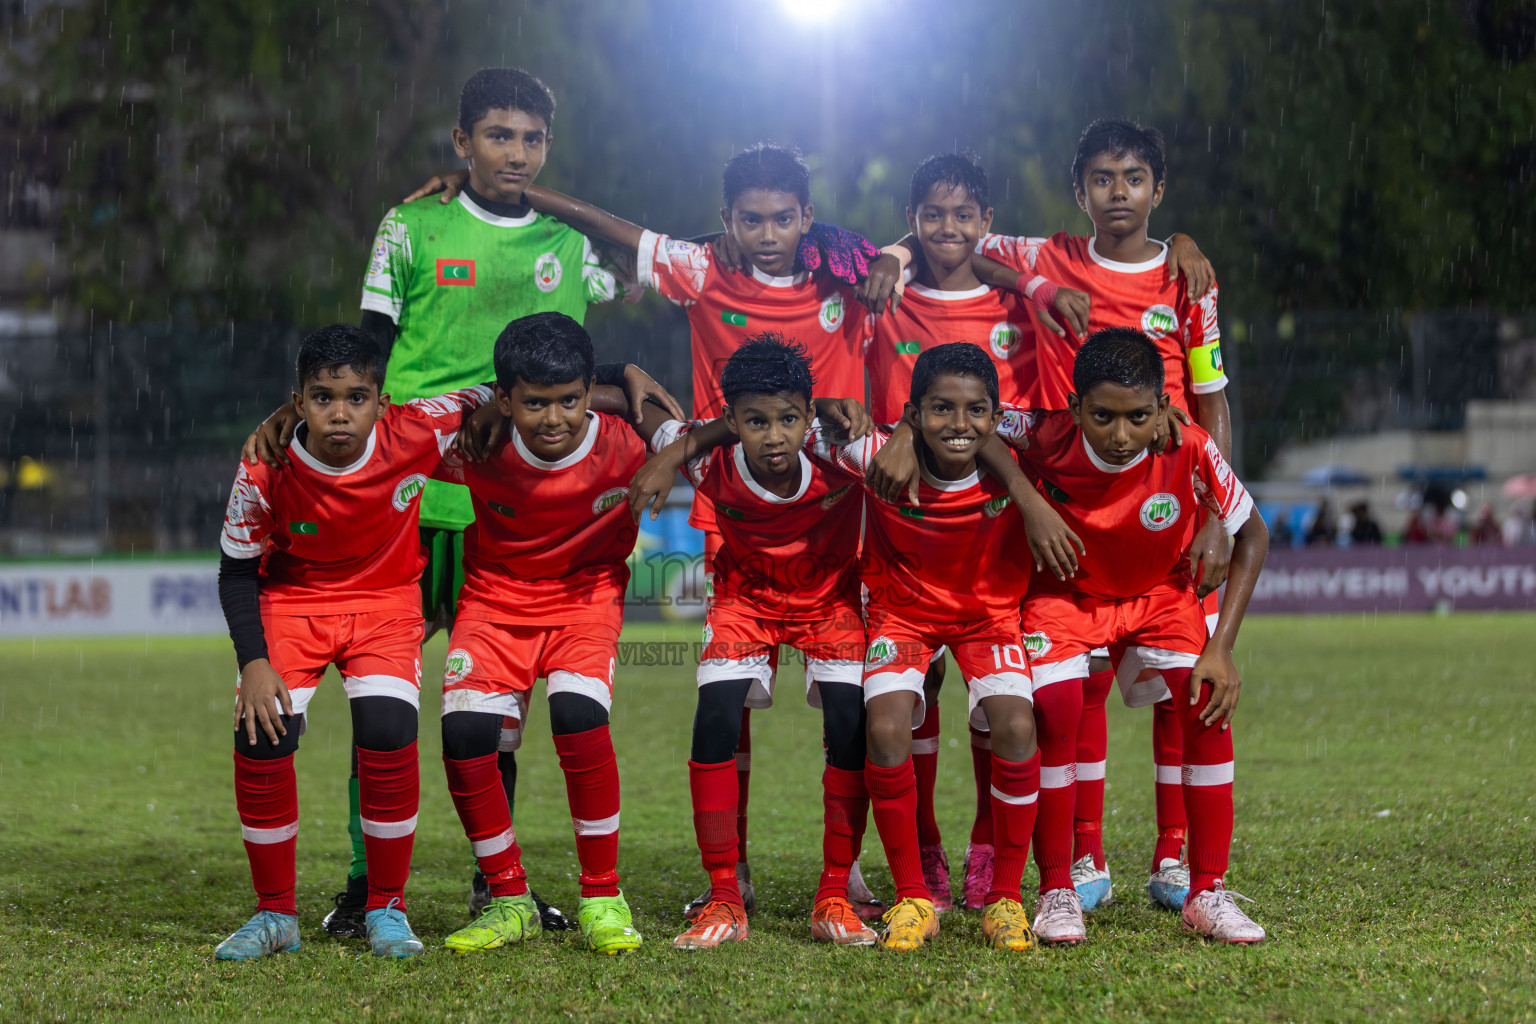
677	445
1052	544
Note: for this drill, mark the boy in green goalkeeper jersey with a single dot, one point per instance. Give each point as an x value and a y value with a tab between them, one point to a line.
443	281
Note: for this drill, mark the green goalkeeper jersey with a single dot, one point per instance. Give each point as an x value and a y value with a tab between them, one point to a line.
452	276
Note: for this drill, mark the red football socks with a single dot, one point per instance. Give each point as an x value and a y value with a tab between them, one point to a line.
1168	757
1207	782
475	785
713	790
893	799
1058	706
1092	754
267	798
592	787
845	803
925	766
1015	790
981	771
389	786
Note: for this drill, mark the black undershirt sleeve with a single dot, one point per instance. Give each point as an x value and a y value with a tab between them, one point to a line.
610	374
240	597
380	328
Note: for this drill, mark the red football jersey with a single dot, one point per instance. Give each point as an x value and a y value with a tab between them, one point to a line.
1137	520
791	559
550	540
1123	295
725	309
997	320
958	555
343	540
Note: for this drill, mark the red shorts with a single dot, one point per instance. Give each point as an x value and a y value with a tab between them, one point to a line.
1165	629
493	665
378	653
741	645
988	652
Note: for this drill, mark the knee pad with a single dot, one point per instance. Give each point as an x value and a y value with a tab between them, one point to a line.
382	723
574	712
717	720
264	749
470	734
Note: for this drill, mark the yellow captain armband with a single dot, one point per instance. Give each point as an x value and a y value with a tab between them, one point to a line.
1206	373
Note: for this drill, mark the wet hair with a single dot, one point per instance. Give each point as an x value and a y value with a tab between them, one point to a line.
957	359
504	89
770	168
767	364
1120	138
544	349
1118	355
339	347
960	170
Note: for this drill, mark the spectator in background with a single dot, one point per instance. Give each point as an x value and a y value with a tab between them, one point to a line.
1365	530
1520	524
1487	530
1413	528
1320	533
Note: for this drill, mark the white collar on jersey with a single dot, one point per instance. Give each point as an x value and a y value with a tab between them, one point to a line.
745	469
296	445
570	460
1109	467
1128	268
947	485
779	282
943	296
481	213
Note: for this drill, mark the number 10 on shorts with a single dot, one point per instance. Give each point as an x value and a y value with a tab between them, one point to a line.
1011	655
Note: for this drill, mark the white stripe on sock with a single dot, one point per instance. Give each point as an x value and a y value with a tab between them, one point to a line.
1208	774
1090	771
1169	775
1057	776
495	844
268	836
389	829
596	826
1017	801
927	745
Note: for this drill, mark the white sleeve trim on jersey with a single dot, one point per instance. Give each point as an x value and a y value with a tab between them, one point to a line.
1210	386
376	303
665	434
1239	516
670	431
645	257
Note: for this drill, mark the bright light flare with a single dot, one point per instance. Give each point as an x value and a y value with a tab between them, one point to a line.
812	11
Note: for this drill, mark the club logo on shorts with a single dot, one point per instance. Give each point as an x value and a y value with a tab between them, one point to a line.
1158	321
1037	644
459	666
546	272
882	651
831	314
1160	511
406	490
834	497
994	508
612	498
1005	339
709	633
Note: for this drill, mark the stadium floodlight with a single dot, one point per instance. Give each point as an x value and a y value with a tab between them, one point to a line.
812	10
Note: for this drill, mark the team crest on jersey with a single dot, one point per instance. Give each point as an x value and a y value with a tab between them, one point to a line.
833	497
832	312
1158	321
1037	645
882	651
613	497
459	666
546	272
709	633
1005	339
406	490
994	508
1160	511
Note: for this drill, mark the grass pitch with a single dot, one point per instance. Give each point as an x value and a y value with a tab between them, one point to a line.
1384	803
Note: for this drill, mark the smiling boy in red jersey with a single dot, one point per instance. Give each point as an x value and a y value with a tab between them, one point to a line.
1134	592
322	559
1118	178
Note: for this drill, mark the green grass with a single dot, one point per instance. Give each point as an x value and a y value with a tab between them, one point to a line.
1384	803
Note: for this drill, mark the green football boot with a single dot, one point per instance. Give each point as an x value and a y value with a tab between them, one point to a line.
506	919
607	924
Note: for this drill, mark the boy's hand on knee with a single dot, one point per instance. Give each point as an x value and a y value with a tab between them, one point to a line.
1217	668
262	699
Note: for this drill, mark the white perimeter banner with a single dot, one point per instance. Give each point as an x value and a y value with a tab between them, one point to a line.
109	598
